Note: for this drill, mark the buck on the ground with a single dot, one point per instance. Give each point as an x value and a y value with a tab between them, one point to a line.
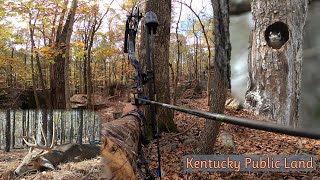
40	158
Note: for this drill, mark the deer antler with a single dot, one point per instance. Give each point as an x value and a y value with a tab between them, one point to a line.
36	145
44	138
53	135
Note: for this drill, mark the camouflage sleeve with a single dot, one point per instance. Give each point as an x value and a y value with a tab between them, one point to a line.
138	114
120	145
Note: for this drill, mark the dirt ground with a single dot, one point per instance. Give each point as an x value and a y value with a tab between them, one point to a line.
10	160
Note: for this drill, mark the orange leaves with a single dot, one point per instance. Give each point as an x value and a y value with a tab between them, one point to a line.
47	52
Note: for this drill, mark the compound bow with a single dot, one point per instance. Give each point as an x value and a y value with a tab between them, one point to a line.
141	78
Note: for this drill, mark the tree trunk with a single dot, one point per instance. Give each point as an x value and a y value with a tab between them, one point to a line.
58	76
85	130
23	124
42	83
28	123
195	50
25	65
34	85
219	72
44	113
161	61
105	79
50	126
71	127
67	59
10	76
176	78
89	74
275	71
8	135
1	130
62	127
13	129
80	128
93	126
85	59
122	71
67	77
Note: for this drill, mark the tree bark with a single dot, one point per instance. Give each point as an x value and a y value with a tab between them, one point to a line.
219	73
275	74
28	123
42	83
10	69
23	124
67	73
196	47
8	135
176	77
58	78
44	113
13	129
50	125
161	62
62	126
34	84
80	128
71	127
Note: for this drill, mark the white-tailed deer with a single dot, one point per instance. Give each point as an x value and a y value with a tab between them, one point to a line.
40	157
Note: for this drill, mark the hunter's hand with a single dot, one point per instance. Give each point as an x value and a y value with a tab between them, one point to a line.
129	107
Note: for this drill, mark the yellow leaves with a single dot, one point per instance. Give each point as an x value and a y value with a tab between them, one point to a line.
79	44
83	8
130	3
89	8
9	61
106	52
111	51
15	63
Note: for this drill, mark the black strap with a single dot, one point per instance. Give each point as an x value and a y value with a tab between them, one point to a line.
143	167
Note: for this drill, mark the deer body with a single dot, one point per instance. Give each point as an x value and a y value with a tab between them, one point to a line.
47	157
38	160
72	153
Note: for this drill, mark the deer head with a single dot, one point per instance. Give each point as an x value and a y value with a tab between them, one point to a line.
35	160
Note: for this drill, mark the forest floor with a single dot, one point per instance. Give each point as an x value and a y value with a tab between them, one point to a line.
247	142
176	145
89	169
